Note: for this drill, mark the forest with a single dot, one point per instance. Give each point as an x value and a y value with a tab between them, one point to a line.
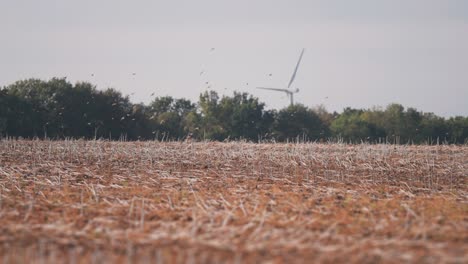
58	109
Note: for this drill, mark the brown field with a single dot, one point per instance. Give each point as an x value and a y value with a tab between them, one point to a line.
115	202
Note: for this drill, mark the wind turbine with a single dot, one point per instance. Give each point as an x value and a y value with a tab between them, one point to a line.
287	90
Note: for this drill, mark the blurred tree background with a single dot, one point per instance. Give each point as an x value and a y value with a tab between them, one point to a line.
58	109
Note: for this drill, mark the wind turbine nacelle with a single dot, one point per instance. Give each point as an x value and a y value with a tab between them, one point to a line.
297	90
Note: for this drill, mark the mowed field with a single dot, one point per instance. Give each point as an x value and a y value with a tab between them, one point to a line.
119	202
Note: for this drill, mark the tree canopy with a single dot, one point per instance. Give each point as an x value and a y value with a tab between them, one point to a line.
58	109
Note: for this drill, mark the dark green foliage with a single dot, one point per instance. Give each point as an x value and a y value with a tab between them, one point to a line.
168	118
238	117
351	125
298	121
397	125
457	129
58	109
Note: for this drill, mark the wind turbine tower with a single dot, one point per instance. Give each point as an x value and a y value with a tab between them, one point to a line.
290	93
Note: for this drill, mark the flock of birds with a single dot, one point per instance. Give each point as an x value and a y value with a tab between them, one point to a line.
202	72
208	86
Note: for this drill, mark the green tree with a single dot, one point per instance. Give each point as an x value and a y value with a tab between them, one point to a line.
298	121
238	116
433	128
243	116
4	111
168	117
458	129
211	125
394	121
351	125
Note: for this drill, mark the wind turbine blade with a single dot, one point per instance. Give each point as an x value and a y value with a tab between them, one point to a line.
273	89
295	70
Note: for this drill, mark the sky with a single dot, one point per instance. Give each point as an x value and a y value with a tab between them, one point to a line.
360	53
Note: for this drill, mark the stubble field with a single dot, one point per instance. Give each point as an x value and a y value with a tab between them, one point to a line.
119	202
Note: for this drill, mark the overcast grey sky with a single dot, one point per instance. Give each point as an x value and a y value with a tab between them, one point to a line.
359	53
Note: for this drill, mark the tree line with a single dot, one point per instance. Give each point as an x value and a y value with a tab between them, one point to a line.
58	109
